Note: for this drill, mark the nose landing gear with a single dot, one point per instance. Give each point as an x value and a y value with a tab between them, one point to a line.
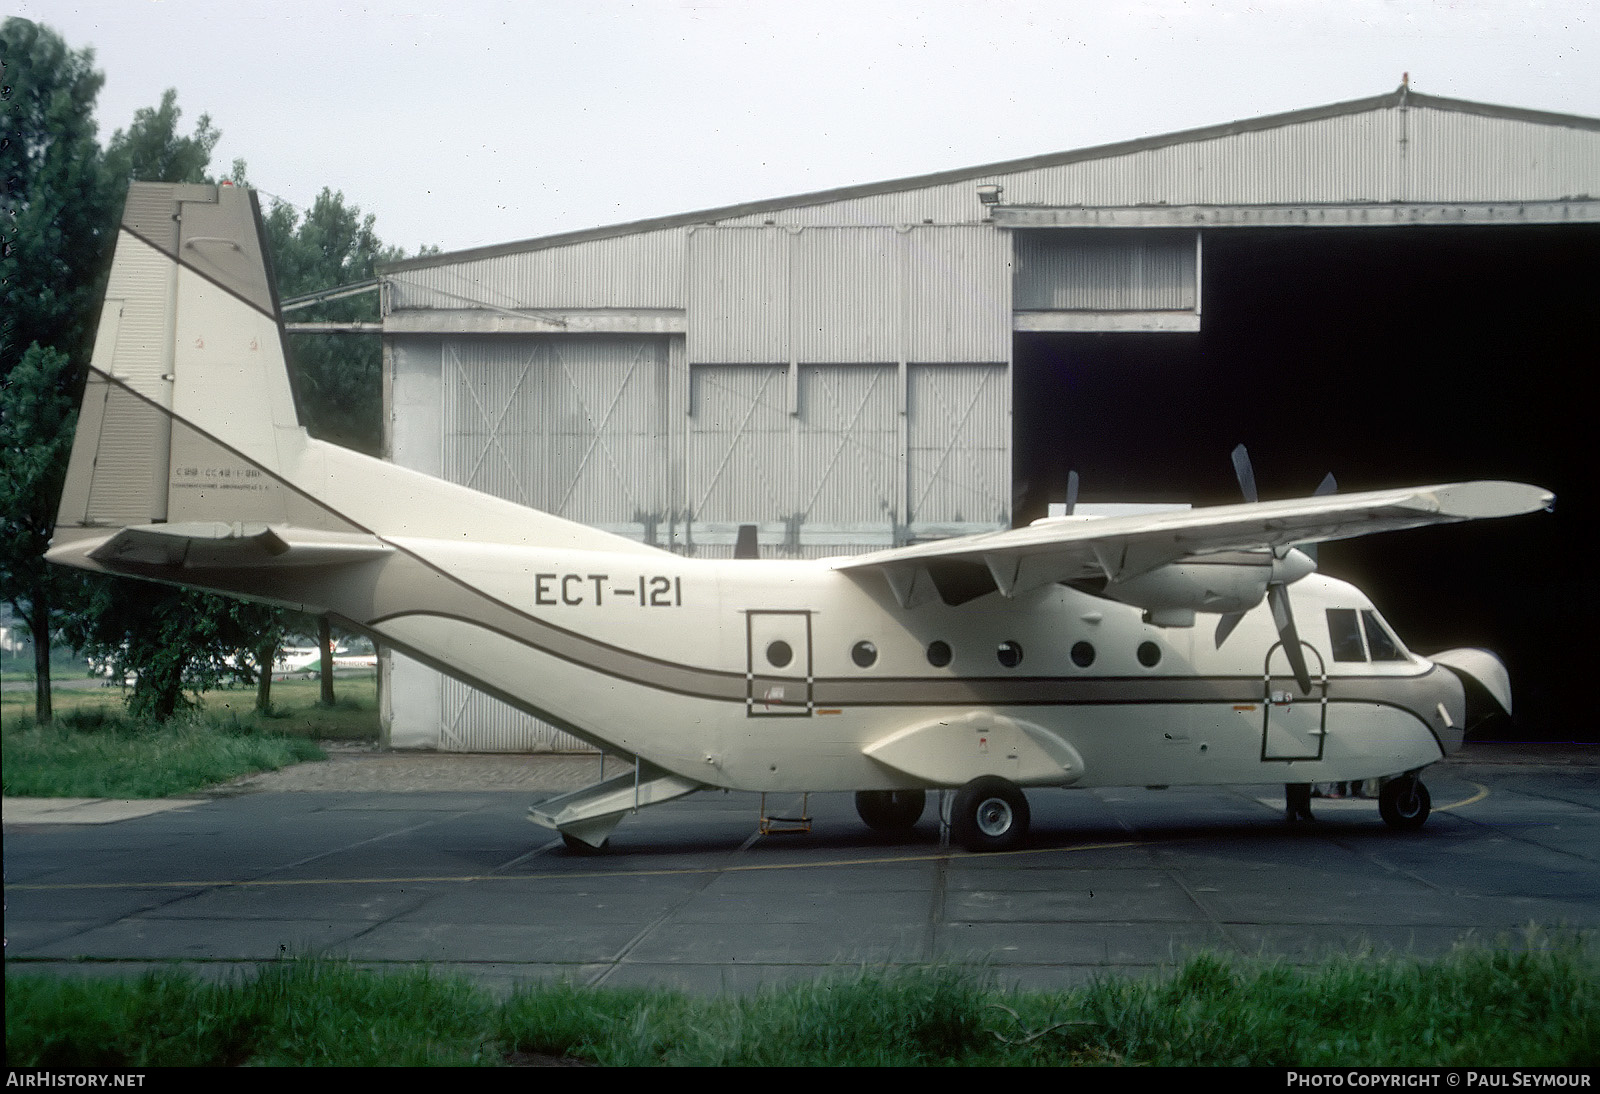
1404	803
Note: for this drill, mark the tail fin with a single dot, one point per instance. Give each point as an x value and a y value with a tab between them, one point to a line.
188	445
189	348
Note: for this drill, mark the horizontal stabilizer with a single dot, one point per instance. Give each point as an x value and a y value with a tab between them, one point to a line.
207	545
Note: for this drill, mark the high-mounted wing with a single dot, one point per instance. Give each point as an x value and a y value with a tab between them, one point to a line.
1121	549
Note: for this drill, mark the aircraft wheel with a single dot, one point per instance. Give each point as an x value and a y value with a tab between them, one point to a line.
989	814
1404	803
890	810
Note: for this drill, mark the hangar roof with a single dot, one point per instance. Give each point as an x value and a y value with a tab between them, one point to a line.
1401	148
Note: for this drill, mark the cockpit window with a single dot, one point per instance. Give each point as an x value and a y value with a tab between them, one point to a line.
1379	640
1344	633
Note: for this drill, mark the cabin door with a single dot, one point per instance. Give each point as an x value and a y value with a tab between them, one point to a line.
1296	722
779	672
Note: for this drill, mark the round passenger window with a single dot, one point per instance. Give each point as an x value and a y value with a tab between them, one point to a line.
1082	654
779	654
864	654
1149	654
938	653
1010	654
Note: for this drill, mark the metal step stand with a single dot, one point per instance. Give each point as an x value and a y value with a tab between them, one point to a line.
781	826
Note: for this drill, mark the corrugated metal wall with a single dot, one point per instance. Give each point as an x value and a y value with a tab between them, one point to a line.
847	442
958	421
1413	154
739	465
1106	271
574	426
849	294
471	721
823	480
642	270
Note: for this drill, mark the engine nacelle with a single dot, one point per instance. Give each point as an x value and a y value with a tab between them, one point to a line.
1235	581
1223	583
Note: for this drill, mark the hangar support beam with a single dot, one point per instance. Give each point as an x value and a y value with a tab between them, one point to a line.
1354	215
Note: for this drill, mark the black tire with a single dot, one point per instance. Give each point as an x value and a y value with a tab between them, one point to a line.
1404	803
989	814
890	810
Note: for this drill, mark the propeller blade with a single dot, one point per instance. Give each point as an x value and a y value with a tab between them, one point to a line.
1245	473
1327	486
1278	598
1072	491
1226	624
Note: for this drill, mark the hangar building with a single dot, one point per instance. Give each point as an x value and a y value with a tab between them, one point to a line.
1395	288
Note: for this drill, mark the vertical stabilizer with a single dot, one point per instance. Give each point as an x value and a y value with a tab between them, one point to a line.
188	331
188	418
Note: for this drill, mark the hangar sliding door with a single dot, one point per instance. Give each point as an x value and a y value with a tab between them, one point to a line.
821	480
958	451
572	426
738	466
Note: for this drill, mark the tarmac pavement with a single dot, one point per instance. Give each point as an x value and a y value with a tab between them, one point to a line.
392	858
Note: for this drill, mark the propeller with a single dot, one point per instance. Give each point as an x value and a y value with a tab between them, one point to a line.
1289	564
1072	492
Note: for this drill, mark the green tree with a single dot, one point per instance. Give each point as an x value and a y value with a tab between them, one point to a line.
151	150
58	210
337	375
55	234
36	420
170	641
56	213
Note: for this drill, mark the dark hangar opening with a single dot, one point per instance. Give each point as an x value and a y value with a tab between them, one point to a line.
1390	357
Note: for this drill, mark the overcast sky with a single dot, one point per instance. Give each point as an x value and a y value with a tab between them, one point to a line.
470	123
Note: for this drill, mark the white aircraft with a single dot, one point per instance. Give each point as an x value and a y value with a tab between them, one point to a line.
1061	654
308	659
292	659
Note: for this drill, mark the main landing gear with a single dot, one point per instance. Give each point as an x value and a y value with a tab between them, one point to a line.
891	810
989	814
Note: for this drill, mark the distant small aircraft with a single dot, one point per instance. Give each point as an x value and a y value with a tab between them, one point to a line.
1066	653
308	659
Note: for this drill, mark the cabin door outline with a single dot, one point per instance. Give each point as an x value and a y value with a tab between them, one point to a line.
778	676
1295	723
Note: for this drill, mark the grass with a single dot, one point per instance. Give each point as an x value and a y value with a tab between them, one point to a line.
94	750
1532	1004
